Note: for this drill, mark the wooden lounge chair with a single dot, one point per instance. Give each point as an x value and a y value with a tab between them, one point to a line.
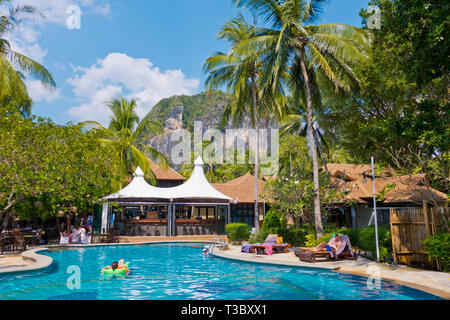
310	256
272	240
344	253
277	248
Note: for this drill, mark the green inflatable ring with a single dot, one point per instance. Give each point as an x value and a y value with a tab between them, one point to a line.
120	270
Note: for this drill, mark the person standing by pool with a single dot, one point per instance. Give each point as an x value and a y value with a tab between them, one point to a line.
75	236
82	233
88	223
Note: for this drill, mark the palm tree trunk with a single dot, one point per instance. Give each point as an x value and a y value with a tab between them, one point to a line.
255	120
324	162
290	164
312	146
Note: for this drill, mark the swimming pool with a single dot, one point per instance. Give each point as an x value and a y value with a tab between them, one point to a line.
180	271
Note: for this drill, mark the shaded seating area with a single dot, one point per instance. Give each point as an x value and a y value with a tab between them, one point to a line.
11	241
272	244
345	251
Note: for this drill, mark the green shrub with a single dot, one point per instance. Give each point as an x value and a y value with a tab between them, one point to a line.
438	247
311	240
362	238
367	242
294	236
273	220
238	232
354	236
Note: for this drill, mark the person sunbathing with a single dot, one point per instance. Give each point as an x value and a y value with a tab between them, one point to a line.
333	245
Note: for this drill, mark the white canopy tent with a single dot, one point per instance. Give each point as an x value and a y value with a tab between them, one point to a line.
196	187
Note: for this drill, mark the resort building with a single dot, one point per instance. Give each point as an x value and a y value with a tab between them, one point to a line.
166	177
177	207
395	192
242	190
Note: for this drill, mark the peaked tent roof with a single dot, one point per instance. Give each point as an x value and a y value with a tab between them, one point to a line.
137	188
196	187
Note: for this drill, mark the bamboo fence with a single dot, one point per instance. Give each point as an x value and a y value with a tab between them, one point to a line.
409	227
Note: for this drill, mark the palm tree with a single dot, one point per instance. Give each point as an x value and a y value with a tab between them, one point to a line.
122	134
313	55
240	75
298	123
14	66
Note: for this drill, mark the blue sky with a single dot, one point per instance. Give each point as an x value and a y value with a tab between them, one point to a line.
137	48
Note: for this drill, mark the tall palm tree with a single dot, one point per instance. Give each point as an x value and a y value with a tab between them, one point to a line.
122	134
240	75
297	123
14	66
313	54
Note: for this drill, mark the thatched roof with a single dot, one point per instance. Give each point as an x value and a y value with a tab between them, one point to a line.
242	188
412	188
167	174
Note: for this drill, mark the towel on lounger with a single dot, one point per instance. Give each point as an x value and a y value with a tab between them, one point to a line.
269	249
246	248
345	243
272	239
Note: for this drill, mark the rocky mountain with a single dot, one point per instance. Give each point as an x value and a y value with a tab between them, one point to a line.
180	112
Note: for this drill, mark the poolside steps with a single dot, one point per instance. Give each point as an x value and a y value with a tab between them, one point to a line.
206	238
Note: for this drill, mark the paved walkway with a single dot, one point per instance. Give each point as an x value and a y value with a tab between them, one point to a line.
208	238
26	261
13	261
437	283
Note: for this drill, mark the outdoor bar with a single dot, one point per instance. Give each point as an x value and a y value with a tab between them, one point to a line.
192	208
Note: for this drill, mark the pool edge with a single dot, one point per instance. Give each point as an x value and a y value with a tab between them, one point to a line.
43	261
40	261
437	292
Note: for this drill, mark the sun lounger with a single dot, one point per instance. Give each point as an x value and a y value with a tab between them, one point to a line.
310	256
345	251
271	240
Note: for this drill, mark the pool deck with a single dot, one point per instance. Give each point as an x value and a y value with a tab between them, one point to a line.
437	283
28	260
434	282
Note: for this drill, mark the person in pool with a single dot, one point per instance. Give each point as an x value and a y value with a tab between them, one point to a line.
333	245
119	264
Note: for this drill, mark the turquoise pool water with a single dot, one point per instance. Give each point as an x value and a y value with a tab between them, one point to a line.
180	271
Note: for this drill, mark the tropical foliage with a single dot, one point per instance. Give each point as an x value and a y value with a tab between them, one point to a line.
298	55
14	66
241	73
397	115
122	134
48	170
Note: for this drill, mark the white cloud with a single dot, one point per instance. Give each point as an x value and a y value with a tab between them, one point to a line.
118	74
38	93
25	38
